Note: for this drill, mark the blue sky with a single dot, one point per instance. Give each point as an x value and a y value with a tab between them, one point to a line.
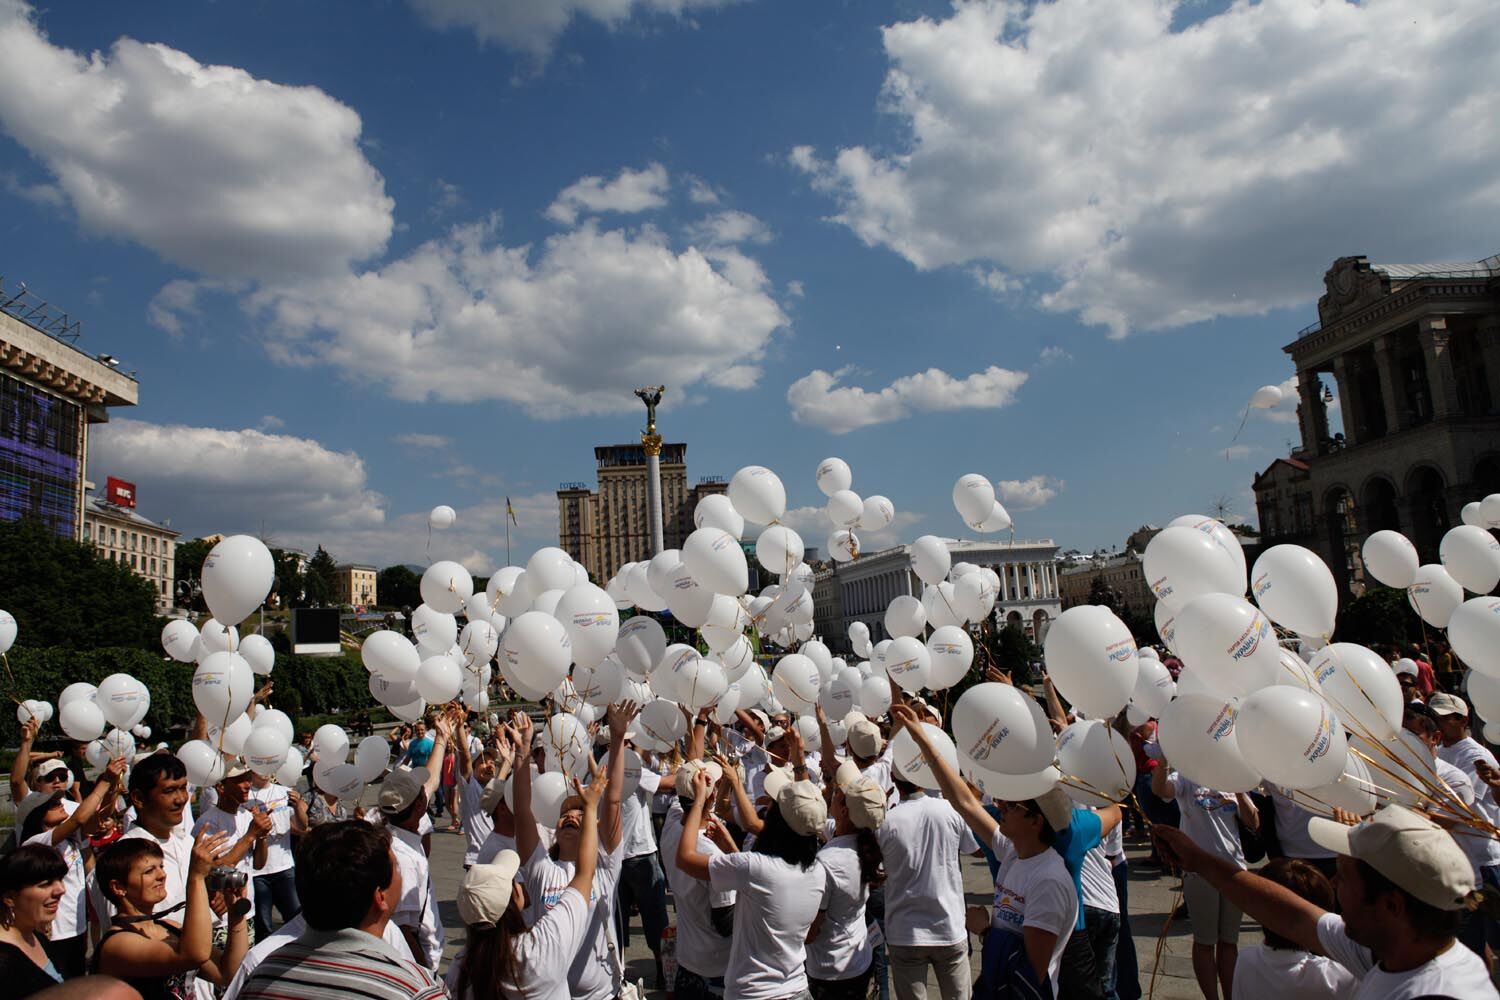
371	257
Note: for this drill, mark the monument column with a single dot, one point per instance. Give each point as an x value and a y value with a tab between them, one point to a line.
651	441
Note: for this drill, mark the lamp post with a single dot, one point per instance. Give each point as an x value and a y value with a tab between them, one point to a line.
651	441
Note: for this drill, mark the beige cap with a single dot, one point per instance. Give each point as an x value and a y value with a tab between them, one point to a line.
689	770
1447	704
776	779
484	895
865	800
762	718
493	794
46	767
930	709
34	801
847	772
1057	807
864	738
401	789
1407	848
773	734
234	767
801	805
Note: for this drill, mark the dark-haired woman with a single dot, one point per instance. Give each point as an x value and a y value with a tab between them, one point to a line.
779	886
840	955
1281	968
502	959
162	958
31	888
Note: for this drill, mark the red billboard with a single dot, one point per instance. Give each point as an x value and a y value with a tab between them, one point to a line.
119	492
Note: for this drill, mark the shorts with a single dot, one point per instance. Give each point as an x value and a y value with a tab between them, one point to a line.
1215	920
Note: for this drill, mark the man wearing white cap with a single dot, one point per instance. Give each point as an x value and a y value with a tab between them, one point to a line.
1403	888
247	823
1462	751
705	918
403	803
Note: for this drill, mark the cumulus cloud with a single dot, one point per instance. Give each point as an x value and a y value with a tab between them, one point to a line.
730	228
631	191
817	398
1029	493
533	26
564	329
1158	176
1054	355
208	166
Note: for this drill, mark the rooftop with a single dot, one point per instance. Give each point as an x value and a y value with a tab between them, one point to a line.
97	505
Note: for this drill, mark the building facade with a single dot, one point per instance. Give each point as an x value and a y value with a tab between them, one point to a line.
1413	352
861	590
355	585
610	526
121	535
50	394
1121	573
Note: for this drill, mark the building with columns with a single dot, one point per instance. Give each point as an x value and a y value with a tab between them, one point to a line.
861	590
1413	352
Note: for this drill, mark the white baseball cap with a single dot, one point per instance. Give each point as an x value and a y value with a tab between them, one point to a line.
864	738
1447	704
401	789
689	770
1407	848
801	805
485	893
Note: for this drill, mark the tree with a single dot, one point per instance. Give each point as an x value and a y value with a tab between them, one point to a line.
320	581
1381	617
1016	653
187	563
398	587
288	577
64	593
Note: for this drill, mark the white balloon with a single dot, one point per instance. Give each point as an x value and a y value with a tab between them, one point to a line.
8	629
118	696
1472	513
446	586
508	591
566	744
409	712
939	604
237	575
1166	625
1182	563
843	545
550	569
973	598
479	642
215	637
833	475
433	629
779	549
265	750
737	659
998	520
389	693
1391	558
905	616
1090	656
177	638
640	644
845	509
715	511
878	514
1361	687
663	722
908	663
231	739
1266	397
910	762
661	568
1002	730
439	680
342	781
259	653
1474	631
930	558
222	686
1353	791
1229	642
687	600
796	682
1153	687
441	517
591	622
632	771
665	674
81	719
757	494
1489	509
875	696
701	683
1434	595
714	557
951	652
76	690
1295	589
1472	557
1197	734
331	743
973	498
205	766
729	702
1099	760
841	694
390	655
725	624
1010	787
278	721
1292	737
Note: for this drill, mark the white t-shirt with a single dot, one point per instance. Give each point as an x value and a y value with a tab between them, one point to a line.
492	846
546	952
177	857
842	949
279	841
1291	827
638	838
236	824
1208	817
1457	972
700	949
775	905
73	908
68	807
291	931
418	906
1482	851
1096	877
1034	892
477	823
1288	974
922	840
591	972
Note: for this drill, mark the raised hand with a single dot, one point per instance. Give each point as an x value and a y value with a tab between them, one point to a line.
115	771
260	822
619	716
593	792
905	715
206	850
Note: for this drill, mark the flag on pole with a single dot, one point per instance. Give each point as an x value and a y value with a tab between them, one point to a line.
512	512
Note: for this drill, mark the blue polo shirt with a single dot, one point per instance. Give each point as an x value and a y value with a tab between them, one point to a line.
1082	835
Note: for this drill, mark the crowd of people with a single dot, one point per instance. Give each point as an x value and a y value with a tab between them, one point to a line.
794	870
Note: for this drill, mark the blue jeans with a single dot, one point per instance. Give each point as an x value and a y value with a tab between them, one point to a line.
280	889
1477	928
875	911
643	883
1103	930
691	986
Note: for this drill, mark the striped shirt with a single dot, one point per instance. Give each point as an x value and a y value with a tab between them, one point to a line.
324	965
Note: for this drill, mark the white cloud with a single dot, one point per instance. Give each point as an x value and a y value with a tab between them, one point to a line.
813	525
418	440
1284	412
1054	355
818	399
1029	493
533	26
206	165
1238	451
795	289
632	191
729	228
564	329
270	422
1160	177
177	299
700	192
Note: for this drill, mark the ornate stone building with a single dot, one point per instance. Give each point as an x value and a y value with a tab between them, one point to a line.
1414	354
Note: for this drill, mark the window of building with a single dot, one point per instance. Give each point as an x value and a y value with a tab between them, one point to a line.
153	567
132	561
112	536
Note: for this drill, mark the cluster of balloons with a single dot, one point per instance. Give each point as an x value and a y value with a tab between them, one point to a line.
974	499
847	510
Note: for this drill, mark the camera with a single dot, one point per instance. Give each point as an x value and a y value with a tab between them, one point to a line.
222	878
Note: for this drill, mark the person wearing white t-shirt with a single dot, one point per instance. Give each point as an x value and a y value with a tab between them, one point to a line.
840	952
403	808
158	790
643	884
246	822
1279	968
705	918
1465	753
1208	817
779	887
1291	831
1036	906
44	820
1402	889
475	769
276	880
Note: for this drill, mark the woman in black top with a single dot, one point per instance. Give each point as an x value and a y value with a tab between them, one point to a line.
31	884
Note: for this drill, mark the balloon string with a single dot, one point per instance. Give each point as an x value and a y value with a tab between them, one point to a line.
13	693
1241	427
1161	942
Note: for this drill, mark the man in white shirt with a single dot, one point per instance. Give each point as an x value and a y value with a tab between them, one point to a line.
247	823
642	882
1466	753
276	880
475	769
403	804
158	791
705	918
1403	885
